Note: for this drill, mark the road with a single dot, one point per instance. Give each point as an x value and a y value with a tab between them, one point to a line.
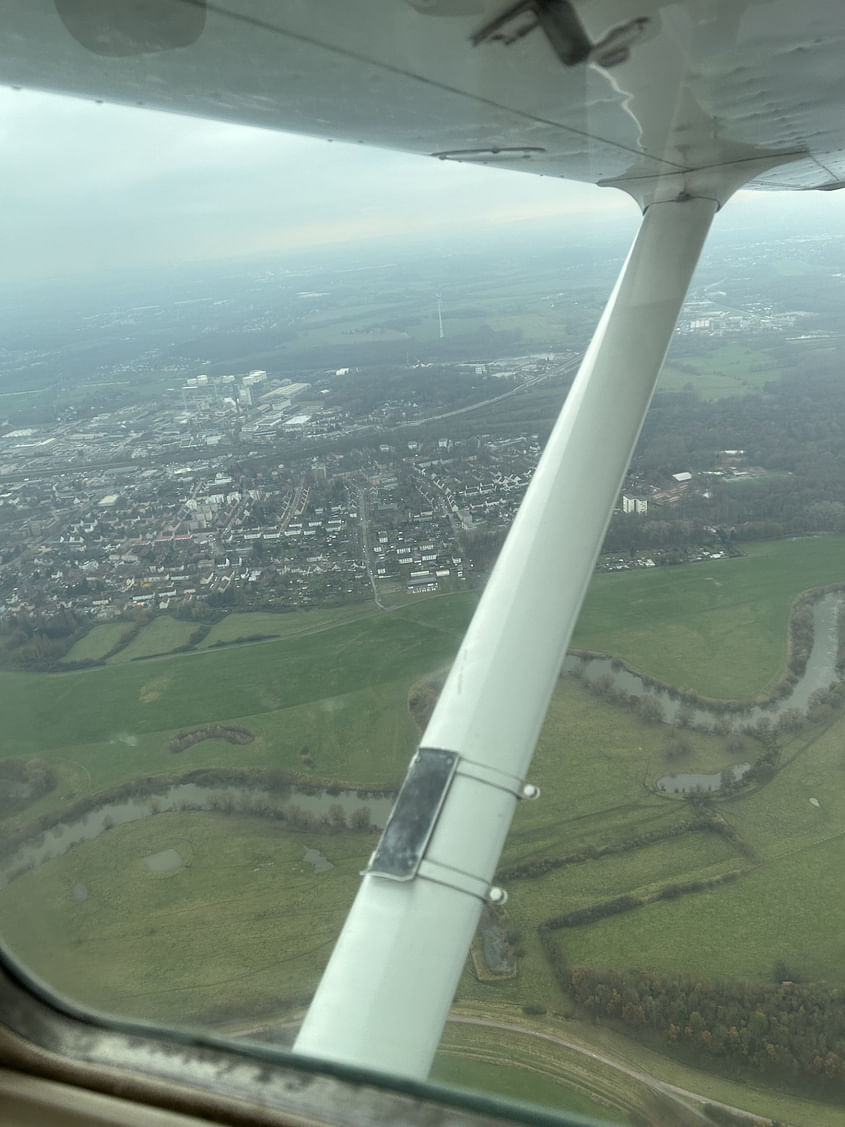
683	1095
364	519
531	381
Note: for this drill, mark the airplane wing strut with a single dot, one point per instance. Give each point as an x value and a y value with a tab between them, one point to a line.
385	994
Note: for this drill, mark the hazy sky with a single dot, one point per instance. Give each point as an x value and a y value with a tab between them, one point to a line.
90	188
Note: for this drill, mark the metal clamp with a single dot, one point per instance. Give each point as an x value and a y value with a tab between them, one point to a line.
492	777
461	882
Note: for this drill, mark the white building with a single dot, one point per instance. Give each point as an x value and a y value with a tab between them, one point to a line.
634	505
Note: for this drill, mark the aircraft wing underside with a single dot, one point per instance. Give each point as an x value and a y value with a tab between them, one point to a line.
606	91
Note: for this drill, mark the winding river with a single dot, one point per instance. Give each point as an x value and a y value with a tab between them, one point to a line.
820	673
57	840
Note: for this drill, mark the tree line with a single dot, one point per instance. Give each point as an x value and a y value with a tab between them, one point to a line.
590	914
784	1027
539	866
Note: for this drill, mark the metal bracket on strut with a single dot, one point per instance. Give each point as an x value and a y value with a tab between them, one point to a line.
400	854
461	881
494	778
414	815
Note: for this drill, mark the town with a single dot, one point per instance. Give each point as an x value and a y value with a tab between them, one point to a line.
214	498
149	480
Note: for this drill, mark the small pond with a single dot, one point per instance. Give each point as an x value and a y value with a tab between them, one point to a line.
320	863
688	783
165	862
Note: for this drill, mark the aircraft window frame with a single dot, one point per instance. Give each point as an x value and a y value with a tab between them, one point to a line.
218	1079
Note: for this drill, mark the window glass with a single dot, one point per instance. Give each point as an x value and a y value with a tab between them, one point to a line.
268	409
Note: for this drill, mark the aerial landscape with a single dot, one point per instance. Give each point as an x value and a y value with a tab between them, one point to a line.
245	515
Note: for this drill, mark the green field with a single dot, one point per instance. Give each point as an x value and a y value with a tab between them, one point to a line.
343	733
718	627
598	798
483	1060
785	907
238	625
245	926
718	370
55	711
525	1041
97	642
745	928
160	636
591	764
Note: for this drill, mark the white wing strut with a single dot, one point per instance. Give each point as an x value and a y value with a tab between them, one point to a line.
385	994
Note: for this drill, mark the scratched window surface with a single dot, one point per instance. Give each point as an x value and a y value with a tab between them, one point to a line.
268	410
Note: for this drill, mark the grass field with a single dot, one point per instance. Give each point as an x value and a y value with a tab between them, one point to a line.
785	906
160	636
97	642
485	1060
51	713
717	627
613	1085
591	764
246	926
362	738
217	894
718	370
745	928
247	624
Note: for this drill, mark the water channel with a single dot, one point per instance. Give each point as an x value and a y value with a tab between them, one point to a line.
820	673
318	805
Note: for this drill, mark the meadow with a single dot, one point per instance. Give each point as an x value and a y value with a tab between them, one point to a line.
79	714
245	925
718	370
97	642
250	624
481	1059
160	636
717	627
608	1067
744	929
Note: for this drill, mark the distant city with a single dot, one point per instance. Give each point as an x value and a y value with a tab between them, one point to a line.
155	484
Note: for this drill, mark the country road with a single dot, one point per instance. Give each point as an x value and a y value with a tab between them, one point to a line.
683	1095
